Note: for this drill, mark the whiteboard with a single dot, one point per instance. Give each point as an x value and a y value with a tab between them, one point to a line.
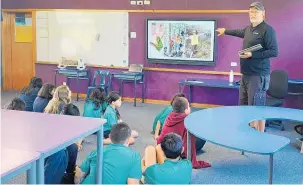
99	38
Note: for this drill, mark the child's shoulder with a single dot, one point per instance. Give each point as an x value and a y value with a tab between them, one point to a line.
92	155
131	153
185	163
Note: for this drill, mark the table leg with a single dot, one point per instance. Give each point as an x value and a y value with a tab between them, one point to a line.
99	156
190	94
78	85
31	174
40	171
120	88
55	80
180	88
271	163
188	146
143	90
135	87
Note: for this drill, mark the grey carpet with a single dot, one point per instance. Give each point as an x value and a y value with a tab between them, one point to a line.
228	166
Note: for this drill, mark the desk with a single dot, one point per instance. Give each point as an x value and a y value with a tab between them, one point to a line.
206	83
48	134
297	85
73	73
135	77
15	162
229	127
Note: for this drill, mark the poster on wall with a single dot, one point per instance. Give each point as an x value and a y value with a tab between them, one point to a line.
189	42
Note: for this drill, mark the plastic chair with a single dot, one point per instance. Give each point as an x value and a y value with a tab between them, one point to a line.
277	91
105	81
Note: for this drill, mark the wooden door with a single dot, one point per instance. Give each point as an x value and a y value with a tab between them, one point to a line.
17	51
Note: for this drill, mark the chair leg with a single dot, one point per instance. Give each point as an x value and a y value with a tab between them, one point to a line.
276	123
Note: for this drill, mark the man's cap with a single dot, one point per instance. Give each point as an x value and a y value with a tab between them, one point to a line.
257	5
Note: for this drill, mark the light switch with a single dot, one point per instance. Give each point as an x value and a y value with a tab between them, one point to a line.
133	2
147	2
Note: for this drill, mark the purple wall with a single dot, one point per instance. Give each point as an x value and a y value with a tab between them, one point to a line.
288	23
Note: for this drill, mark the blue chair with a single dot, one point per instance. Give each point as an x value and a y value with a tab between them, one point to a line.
105	81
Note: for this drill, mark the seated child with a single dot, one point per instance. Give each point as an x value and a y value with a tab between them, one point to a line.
121	164
44	96
161	117
29	93
72	150
61	97
175	123
55	166
16	104
113	117
174	170
95	105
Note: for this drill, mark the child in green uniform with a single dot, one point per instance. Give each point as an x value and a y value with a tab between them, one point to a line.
95	105
174	170
121	164
113	117
161	117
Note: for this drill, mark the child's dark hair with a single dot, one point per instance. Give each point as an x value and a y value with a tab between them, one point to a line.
112	97
180	104
71	109
34	83
176	96
98	97
120	133
172	145
46	91
16	104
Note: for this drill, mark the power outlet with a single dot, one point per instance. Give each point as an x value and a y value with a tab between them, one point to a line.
139	2
133	2
147	2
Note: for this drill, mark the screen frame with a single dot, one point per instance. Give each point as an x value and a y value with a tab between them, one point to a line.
181	62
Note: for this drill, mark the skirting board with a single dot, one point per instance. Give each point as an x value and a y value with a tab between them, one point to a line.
152	101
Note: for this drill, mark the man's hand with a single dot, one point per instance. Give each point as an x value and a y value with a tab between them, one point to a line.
220	31
246	55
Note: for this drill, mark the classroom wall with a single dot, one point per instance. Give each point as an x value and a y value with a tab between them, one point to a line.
162	85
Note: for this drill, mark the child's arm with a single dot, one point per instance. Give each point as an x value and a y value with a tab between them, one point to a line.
157	130
79	175
79	144
83	170
132	181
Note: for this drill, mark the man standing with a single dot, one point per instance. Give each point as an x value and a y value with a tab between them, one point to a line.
255	66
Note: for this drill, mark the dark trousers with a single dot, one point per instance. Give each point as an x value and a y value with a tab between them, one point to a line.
253	90
199	144
55	166
72	151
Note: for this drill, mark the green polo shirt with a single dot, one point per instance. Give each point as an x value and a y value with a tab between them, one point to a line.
91	111
169	172
119	163
162	117
111	116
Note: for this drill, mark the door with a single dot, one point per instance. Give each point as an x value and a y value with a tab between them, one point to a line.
17	50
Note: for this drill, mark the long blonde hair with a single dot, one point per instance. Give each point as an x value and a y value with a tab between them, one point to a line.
62	95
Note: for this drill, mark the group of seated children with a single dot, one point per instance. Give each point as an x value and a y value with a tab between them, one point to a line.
164	163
